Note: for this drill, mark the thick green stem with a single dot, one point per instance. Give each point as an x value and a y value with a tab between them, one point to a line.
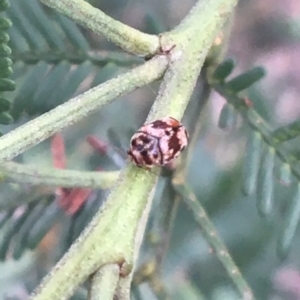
104	282
111	235
109	238
192	40
57	177
128	38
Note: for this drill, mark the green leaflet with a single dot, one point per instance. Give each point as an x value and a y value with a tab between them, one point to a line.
51	81
14	225
5	118
43	224
68	87
4	104
28	88
5	23
265	183
228	116
4	50
251	164
20	240
7	85
223	70
290	224
5	216
5	66
245	80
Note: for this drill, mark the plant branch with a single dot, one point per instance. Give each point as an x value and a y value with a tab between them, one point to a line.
128	38
104	282
124	286
287	132
117	222
211	236
97	58
259	125
57	177
39	129
189	53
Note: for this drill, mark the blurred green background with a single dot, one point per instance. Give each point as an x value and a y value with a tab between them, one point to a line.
51	66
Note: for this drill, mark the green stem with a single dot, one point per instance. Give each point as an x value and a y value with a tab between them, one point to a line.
162	228
124	286
57	177
109	238
128	38
287	132
39	129
104	282
211	236
97	58
189	54
111	235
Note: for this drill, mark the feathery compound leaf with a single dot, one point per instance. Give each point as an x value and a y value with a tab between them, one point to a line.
5	67
4	37
41	21
68	86
51	82
227	119
33	36
41	38
223	70
265	183
50	46
245	80
290	224
29	87
72	32
251	164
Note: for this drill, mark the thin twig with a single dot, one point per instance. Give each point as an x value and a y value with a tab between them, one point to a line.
124	36
57	177
212	237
